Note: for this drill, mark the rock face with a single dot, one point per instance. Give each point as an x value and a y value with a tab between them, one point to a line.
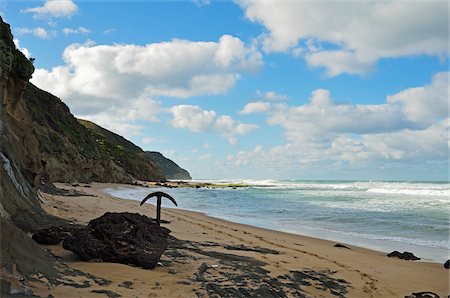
40	138
76	150
124	153
20	173
127	238
53	235
403	256
169	168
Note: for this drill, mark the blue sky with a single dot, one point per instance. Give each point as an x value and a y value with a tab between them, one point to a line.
248	89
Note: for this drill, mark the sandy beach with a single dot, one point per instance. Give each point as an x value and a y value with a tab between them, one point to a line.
214	256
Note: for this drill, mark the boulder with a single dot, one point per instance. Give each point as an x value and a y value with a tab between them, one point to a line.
53	235
423	295
403	256
127	238
447	264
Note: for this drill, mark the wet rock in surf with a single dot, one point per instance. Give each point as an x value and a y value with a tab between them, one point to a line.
403	256
127	238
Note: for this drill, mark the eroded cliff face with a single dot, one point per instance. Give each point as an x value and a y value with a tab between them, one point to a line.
20	174
68	150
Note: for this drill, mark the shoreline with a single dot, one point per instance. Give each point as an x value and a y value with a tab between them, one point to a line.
427	253
367	272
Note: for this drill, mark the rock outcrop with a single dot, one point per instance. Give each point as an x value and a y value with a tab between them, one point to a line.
20	175
169	168
403	256
40	140
124	153
127	238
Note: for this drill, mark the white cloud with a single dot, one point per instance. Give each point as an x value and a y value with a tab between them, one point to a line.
196	119
255	107
79	30
350	37
25	51
270	96
411	127
53	8
121	119
230	128
425	104
118	126
178	68
38	32
109	31
122	80
192	118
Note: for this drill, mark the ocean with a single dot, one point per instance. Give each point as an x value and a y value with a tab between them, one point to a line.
384	216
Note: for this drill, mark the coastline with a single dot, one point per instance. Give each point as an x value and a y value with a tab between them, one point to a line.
366	272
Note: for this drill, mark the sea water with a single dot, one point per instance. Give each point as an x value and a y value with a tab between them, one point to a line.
385	216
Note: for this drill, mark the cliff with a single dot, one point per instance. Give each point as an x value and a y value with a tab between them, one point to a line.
20	174
169	168
124	153
40	140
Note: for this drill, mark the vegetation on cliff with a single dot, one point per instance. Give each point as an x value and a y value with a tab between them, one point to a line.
123	152
169	168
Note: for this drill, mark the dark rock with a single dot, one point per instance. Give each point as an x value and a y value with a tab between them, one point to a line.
259	249
403	256
49	188
341	246
127	238
108	293
447	264
423	295
53	235
126	284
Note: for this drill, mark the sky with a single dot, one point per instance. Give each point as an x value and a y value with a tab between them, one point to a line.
335	90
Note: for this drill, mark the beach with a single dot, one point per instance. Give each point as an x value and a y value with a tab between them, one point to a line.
210	255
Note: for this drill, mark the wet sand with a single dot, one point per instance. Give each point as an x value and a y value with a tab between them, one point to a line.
211	256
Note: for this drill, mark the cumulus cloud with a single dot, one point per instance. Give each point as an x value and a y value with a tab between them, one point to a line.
192	118
79	30
325	34
122	118
25	51
178	68
38	32
196	119
230	128
53	9
119	83
270	96
255	107
425	104
411	126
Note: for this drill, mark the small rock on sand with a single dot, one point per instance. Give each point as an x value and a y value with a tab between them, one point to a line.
403	256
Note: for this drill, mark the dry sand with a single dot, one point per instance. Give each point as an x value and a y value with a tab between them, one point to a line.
221	257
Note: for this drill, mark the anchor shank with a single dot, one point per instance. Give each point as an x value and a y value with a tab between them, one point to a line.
158	211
